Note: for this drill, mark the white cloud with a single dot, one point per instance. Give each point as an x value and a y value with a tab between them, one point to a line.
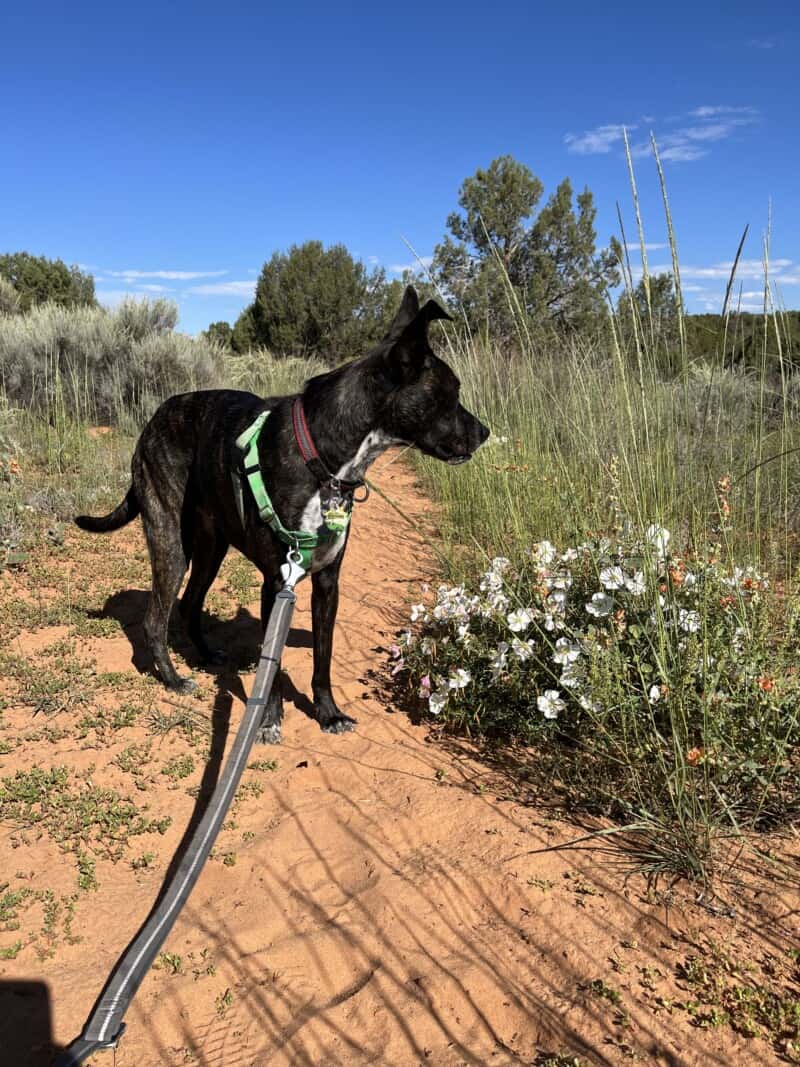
600	140
746	268
708	111
153	288
781	272
168	275
762	42
682	145
401	268
245	288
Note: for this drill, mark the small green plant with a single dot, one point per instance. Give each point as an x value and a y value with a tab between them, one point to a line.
263	765
10	952
545	884
87	878
143	862
170	962
178	767
598	988
223	1002
756	999
73	811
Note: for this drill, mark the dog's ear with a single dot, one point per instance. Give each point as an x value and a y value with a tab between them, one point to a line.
431	310
409	346
406	313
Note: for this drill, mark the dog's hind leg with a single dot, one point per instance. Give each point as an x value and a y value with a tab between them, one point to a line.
269	732
169	551
324	604
208	551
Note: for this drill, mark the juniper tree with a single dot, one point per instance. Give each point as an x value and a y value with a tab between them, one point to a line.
513	265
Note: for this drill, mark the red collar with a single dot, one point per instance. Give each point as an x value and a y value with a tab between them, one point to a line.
308	450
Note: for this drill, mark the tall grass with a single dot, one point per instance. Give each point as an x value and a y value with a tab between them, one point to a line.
687	722
581	439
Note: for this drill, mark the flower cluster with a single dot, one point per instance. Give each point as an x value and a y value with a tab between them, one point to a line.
581	634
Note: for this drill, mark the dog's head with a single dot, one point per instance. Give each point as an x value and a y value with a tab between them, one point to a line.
421	405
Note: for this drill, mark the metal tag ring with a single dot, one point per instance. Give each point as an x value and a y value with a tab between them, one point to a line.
361	499
294	555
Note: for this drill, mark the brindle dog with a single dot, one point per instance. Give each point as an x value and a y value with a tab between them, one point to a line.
400	392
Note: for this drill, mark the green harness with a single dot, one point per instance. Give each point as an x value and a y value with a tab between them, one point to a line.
303	543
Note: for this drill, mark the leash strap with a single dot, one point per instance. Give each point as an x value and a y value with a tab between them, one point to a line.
104	1026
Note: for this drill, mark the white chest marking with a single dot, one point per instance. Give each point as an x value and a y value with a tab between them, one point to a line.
375	443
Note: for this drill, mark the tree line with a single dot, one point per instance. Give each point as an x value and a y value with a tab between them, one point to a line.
511	266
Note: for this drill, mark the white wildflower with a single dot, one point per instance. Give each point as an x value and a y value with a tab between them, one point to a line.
418	612
601	605
689	621
659	539
519	621
635	584
459	678
500	658
566	652
499	603
588	705
491	582
437	701
612	578
523	650
550	703
543	553
571	676
655	694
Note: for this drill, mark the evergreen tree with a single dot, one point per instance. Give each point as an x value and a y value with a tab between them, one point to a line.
37	280
509	267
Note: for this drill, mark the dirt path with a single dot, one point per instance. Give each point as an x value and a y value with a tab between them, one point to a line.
370	901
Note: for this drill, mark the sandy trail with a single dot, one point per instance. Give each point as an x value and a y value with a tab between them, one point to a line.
374	911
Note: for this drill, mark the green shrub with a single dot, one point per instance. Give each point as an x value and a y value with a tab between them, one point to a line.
101	366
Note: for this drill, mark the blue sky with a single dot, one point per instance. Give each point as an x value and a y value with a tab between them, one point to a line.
172	148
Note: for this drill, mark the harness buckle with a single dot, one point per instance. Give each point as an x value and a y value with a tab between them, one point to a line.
292	570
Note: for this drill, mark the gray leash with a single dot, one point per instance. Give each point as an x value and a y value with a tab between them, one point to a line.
105	1027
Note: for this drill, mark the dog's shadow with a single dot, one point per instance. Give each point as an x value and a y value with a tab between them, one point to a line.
241	638
238	638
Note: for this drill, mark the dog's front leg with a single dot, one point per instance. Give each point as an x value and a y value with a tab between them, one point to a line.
324	602
269	732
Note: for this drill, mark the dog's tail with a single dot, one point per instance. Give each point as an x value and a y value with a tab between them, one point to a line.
121	515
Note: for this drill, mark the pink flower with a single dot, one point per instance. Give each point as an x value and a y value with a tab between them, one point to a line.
425	686
398	666
395	652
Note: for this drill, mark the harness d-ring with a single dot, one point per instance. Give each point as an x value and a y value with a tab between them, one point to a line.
361	499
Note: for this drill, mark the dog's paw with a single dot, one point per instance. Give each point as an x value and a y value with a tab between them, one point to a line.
185	687
269	735
339	724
